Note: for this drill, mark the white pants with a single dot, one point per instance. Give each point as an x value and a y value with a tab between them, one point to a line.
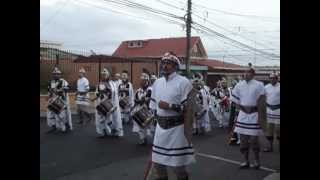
125	115
58	120
103	124
117	122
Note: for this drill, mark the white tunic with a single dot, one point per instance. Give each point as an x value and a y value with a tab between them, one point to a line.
273	98
103	122
247	94
59	120
116	116
204	121
117	83
152	104
140	94
170	146
130	95
83	86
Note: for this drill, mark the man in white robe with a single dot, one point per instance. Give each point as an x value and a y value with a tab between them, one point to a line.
126	97
108	124
249	95
172	146
201	124
141	100
116	116
82	97
57	88
273	111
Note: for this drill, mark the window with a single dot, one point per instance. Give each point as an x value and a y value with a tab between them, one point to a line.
134	44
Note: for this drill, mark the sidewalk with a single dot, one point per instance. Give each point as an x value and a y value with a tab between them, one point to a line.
274	176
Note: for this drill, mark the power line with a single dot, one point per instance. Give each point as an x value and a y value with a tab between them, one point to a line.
219	26
54	15
163	13
171	5
129	15
235	14
234	45
143	7
152	11
235	41
106	9
231	32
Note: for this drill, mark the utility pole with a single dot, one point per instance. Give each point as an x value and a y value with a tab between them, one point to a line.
99	73
57	60
255	47
188	28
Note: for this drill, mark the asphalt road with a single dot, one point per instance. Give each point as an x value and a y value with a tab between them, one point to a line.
79	155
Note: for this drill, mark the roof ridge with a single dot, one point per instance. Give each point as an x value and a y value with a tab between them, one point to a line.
160	38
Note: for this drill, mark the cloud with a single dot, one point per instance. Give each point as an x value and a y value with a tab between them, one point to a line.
96	26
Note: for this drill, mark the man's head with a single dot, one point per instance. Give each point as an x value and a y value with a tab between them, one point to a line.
170	63
117	76
197	84
249	73
197	80
124	75
153	78
105	74
273	78
223	83
82	72
144	80
56	73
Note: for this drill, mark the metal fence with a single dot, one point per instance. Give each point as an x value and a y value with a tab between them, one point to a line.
63	59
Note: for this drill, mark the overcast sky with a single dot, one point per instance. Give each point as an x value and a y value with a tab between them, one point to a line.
101	25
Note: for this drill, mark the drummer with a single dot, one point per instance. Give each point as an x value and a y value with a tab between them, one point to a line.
57	90
141	99
126	99
82	98
105	126
202	122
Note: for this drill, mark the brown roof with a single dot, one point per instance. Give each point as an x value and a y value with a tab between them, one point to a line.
110	59
156	47
215	64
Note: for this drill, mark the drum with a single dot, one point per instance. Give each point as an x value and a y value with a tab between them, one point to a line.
143	117
56	105
104	107
124	102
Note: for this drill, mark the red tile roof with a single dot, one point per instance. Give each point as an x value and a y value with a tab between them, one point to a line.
215	64
156	47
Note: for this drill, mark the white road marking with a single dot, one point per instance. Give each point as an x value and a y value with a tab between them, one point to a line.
231	161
